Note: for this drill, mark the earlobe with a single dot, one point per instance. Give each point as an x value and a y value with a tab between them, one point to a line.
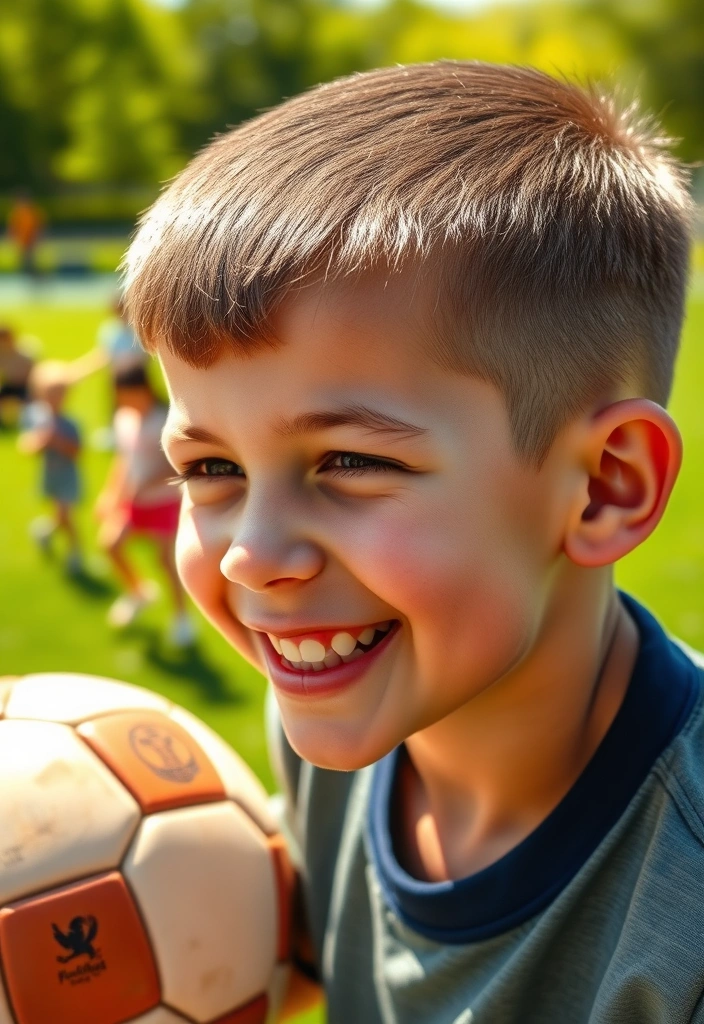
631	454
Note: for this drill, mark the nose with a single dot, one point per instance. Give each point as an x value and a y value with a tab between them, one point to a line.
269	546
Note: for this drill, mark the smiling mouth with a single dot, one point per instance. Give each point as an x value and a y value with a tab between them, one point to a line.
329	648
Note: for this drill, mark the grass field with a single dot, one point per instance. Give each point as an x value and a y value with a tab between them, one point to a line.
50	621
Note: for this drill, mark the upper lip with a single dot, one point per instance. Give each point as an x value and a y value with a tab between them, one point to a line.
283	634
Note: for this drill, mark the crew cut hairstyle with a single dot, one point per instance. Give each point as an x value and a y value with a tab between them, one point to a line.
555	226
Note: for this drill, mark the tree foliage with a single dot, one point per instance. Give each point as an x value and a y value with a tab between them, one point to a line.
119	93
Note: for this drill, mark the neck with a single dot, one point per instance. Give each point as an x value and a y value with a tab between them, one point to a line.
478	782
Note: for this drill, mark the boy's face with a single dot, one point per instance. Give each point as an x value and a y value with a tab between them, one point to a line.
301	521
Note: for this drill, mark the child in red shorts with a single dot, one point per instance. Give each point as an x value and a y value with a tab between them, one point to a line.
138	498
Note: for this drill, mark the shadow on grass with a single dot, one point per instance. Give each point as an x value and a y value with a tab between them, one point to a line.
89	584
188	663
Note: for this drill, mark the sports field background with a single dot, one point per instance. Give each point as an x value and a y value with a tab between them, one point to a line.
50	621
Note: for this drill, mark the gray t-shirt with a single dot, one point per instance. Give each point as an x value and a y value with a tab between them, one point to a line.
596	918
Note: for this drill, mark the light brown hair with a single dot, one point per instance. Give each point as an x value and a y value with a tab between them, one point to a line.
555	225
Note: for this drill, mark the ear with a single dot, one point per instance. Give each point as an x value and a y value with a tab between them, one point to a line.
629	455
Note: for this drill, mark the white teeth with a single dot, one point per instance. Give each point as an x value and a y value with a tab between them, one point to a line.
275	643
318	666
383	627
366	636
332	660
353	656
290	650
311	650
343	643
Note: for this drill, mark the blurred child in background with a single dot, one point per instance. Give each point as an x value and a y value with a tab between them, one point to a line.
25	224
48	432
138	498
15	368
118	350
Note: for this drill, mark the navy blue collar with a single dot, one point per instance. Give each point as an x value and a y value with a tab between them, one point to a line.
660	696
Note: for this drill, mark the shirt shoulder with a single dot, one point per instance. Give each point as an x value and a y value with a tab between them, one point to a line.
681	769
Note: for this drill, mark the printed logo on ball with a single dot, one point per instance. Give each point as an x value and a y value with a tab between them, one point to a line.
164	752
78	939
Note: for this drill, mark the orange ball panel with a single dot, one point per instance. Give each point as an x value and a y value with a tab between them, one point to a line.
79	953
155	758
253	1013
285	881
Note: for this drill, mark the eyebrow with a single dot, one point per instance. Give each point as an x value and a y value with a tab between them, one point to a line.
373	421
183	433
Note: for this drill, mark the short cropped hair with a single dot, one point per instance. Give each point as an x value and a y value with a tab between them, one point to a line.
555	226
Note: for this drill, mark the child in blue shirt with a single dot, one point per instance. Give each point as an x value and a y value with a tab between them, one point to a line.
419	329
50	433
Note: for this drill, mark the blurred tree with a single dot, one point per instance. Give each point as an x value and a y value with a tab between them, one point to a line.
35	86
120	93
135	79
664	40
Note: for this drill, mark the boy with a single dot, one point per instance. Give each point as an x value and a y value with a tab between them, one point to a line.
139	498
419	329
47	431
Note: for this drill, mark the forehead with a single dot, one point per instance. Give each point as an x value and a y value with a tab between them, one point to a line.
357	340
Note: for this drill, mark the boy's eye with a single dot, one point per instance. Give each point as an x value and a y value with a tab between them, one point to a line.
353	463
211	469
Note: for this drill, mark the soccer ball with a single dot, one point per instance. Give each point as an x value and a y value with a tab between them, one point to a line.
142	877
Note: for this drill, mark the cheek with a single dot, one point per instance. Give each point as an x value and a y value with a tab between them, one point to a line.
468	587
197	561
200	547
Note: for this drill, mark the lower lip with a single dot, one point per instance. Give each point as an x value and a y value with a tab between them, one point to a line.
328	681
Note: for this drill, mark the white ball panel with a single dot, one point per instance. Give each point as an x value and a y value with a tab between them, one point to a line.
204	880
240	782
158	1016
5	1017
72	698
63	813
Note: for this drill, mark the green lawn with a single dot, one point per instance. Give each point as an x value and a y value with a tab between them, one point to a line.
99	254
49	621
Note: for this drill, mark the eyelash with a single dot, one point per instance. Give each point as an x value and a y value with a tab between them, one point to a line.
373	465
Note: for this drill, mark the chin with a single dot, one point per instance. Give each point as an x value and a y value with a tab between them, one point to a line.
335	748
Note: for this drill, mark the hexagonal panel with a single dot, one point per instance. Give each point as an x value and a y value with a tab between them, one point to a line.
63	813
79	953
155	757
5	1017
204	880
241	784
71	697
161	1015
